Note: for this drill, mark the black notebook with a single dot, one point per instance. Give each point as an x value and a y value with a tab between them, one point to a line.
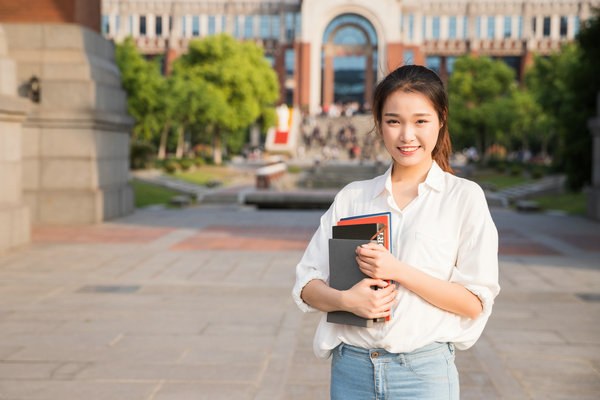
343	274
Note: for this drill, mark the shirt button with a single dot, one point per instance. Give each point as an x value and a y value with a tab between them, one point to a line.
375	354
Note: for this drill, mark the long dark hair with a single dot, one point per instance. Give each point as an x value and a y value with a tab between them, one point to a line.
416	78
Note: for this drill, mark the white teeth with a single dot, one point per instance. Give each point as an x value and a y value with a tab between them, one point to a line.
408	148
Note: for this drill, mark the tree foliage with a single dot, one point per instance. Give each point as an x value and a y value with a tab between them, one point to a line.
479	93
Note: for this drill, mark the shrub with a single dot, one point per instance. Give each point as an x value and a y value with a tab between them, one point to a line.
537	172
170	166
185	164
141	153
199	161
516	170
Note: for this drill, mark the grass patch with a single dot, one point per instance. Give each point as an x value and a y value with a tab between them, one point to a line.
571	203
501	181
146	194
207	173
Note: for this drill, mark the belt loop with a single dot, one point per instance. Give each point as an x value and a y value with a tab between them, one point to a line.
340	349
451	348
402	359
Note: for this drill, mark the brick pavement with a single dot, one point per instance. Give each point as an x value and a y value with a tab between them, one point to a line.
177	304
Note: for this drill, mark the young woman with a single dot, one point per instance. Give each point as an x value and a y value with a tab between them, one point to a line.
444	261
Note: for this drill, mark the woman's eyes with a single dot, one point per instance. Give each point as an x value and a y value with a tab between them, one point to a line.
421	122
395	121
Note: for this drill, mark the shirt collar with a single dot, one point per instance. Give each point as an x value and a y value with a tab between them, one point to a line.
435	180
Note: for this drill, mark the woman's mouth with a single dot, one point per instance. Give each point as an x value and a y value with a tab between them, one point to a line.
408	150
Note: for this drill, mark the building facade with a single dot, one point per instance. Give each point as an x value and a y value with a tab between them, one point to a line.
327	51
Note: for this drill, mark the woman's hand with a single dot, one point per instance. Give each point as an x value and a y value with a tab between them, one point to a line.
377	262
366	302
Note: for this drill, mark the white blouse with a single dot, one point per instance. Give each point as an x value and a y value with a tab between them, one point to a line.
446	231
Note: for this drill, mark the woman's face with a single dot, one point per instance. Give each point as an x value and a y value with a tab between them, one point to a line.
410	127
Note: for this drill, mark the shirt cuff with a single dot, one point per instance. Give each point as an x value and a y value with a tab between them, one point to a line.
297	291
484	293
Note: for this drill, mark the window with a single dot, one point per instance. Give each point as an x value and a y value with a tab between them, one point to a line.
183	27
534	25
452	28
507	26
434	63
195	25
424	27
576	25
143	25
105	25
131	25
435	21
265	27
478	27
465	26
289	26
248	27
117	23
546	32
298	24
520	34
290	62
275	26
450	64
211	24
223	23
411	26
491	27
270	60
158	26
564	22
409	57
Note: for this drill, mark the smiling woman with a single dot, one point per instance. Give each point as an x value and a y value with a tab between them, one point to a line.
444	262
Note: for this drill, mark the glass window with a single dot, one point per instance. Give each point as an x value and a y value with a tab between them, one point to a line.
289	26
546	32
131	25
105	25
465	26
564	22
435	21
223	23
409	57
520	33
211	25
183	26
298	24
576	25
290	61
450	64
411	26
236	27
275	26
478	27
491	27
424	27
195	25
534	24
117	23
270	60
248	27
507	26
143	25
158	26
452	27
434	63
265	27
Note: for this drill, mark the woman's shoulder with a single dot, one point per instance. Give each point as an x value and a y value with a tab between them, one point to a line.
465	188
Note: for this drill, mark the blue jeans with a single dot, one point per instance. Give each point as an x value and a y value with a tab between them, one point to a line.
426	373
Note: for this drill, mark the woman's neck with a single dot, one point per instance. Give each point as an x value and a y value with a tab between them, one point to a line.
414	174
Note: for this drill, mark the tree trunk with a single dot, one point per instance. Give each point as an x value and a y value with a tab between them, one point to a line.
162	148
179	152
217	154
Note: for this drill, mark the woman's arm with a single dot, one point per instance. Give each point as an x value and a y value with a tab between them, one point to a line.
360	299
378	263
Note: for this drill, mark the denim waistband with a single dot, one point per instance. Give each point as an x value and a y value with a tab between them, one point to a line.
382	353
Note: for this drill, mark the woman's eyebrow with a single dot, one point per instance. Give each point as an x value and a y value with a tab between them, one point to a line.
415	114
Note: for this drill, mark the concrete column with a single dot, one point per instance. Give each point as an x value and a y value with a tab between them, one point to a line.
328	78
369	79
593	195
14	214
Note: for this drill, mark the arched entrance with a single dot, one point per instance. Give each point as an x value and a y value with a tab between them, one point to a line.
349	60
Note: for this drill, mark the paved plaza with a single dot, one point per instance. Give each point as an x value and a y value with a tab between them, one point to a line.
195	304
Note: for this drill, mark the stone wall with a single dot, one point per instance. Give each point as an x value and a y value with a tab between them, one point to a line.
82	12
76	139
14	215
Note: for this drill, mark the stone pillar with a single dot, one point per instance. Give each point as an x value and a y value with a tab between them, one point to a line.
14	214
76	139
328	78
369	79
593	195
302	75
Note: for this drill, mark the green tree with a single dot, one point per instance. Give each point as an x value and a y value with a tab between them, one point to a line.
237	83
565	85
143	82
479	92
